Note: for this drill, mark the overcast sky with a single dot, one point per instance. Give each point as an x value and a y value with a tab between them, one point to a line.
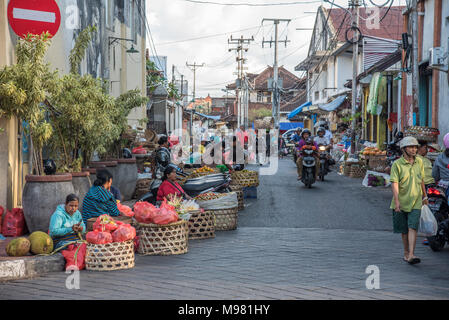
174	23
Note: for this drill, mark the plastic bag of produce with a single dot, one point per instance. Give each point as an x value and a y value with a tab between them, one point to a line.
106	222
144	212
428	225
228	201
166	214
124	232
98	237
14	224
74	256
127	211
376	179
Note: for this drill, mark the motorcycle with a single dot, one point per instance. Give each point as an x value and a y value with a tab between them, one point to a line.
438	204
308	166
218	182
324	161
393	149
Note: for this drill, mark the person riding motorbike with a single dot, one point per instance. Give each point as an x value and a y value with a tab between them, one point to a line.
296	137
305	140
440	171
321	139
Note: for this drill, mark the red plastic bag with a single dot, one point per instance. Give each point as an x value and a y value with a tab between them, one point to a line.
1	214
74	256
136	243
98	237
166	214
107	221
124	233
14	224
144	212
139	150
127	211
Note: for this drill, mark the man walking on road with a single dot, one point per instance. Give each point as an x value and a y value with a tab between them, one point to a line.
409	194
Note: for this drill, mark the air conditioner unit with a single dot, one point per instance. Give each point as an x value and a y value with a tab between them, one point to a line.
436	57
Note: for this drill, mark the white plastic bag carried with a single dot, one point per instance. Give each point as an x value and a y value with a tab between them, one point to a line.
428	225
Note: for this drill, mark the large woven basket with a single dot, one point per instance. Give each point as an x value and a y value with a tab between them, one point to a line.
239	190
202	174
110	256
245	178
225	219
357	172
201	225
169	239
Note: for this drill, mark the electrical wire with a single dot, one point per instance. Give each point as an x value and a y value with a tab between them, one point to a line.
254	4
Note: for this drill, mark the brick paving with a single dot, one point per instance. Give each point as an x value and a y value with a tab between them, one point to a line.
319	253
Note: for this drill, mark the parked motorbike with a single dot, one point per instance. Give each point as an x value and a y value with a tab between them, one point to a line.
308	166
438	204
393	149
193	187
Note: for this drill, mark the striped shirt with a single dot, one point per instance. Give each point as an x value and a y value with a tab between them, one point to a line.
99	201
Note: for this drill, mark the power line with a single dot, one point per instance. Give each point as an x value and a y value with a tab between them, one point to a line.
254	4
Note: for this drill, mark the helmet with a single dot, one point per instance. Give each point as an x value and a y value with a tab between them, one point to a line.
446	140
408	142
49	167
321	129
305	131
309	141
127	153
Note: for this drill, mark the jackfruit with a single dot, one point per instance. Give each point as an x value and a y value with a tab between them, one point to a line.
18	247
41	243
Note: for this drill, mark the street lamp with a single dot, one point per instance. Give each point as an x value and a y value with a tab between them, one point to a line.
113	40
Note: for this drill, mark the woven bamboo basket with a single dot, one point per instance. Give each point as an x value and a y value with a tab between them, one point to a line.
239	190
110	256
163	240
202	174
357	172
245	178
201	225
225	219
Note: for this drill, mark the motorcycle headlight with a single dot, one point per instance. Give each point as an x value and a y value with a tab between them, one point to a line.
322	148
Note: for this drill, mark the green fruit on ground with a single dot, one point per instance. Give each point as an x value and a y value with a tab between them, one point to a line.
41	243
18	247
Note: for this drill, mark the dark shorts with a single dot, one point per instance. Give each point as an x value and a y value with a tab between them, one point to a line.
402	221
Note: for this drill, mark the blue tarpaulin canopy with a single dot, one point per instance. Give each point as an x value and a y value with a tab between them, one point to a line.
298	110
284	126
208	117
334	104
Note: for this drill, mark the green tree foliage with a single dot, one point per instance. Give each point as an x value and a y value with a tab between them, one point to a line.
24	87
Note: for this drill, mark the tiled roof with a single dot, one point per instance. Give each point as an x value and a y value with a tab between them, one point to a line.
390	26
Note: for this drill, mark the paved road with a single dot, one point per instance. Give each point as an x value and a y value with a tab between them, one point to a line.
319	253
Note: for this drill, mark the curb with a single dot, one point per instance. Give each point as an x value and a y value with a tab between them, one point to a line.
31	267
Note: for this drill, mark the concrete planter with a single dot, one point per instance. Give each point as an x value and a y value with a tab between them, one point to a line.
41	195
93	172
126	178
81	183
111	166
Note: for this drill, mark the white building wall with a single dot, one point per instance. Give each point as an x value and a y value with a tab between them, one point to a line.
443	116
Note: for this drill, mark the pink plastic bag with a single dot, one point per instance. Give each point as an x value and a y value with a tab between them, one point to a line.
98	237
144	212
14	224
124	233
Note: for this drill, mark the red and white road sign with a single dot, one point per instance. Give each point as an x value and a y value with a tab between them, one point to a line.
34	16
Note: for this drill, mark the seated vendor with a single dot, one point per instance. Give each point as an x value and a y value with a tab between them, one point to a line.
99	200
169	186
66	222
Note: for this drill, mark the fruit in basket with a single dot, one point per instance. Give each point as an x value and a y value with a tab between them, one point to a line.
209	196
204	169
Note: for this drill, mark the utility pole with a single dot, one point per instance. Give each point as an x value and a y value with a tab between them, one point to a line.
415	70
275	100
355	68
242	85
194	67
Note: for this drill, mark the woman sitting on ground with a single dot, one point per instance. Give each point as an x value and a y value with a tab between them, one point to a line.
99	200
169	186
66	222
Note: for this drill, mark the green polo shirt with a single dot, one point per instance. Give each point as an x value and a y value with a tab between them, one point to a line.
428	179
409	177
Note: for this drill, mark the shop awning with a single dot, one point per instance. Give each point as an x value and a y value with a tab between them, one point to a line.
331	106
284	126
215	118
298	110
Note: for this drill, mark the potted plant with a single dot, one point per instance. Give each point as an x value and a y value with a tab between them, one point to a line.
24	89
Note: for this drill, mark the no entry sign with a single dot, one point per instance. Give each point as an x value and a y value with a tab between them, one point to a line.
34	16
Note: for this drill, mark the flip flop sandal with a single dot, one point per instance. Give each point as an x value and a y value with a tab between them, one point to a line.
414	260
405	259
